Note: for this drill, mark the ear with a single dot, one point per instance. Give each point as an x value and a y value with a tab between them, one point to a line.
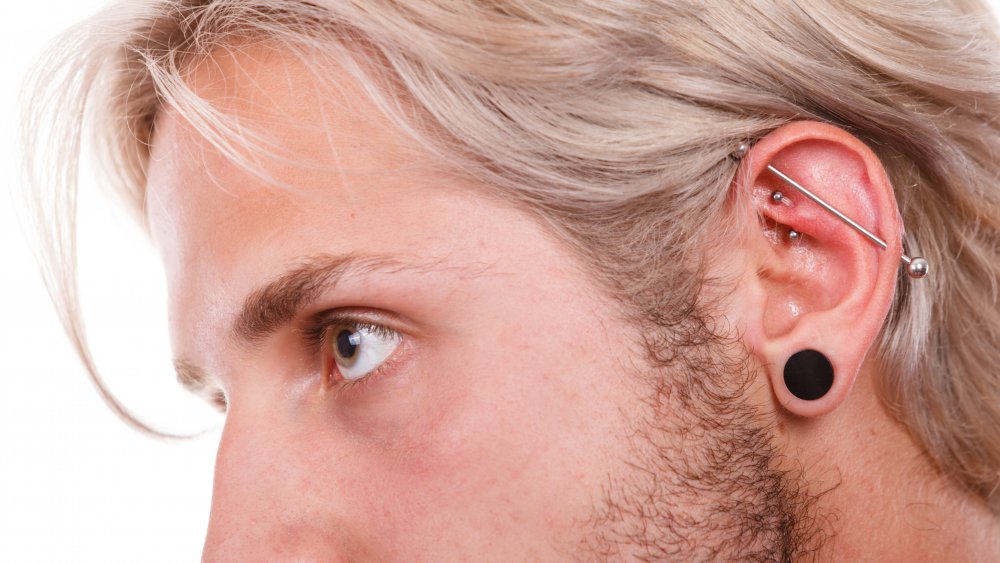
828	288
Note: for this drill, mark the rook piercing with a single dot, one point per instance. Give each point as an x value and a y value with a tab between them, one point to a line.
778	197
794	235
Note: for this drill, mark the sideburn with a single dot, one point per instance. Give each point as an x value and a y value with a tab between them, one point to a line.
703	482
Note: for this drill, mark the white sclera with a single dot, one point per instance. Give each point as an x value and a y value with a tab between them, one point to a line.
374	347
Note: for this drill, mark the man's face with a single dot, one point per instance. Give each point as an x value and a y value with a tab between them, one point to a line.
413	370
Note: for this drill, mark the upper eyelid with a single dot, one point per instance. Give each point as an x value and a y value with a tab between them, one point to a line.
318	333
323	322
320	322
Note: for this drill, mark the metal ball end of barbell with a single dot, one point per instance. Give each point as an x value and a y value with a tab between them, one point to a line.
917	268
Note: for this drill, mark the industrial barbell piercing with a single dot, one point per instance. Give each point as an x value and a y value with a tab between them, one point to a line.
916	267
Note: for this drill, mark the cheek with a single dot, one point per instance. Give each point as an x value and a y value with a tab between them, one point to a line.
507	437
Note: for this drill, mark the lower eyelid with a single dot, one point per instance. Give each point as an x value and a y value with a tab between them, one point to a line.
387	369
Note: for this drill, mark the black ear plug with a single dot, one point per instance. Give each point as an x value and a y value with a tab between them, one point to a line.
808	375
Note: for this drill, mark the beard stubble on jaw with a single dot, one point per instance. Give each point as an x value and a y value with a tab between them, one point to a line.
703	482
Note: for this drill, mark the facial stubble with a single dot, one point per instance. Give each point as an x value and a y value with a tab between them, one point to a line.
706	479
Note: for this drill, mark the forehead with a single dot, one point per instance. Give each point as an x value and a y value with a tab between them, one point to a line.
328	175
288	135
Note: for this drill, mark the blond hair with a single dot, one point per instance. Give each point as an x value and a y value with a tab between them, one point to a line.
612	120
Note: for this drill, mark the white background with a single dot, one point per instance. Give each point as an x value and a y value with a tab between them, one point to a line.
76	484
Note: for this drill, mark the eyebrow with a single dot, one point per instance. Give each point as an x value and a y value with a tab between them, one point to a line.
279	301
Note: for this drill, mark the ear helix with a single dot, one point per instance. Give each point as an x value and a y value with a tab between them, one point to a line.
808	375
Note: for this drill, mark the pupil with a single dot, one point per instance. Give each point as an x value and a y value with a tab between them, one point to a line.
347	344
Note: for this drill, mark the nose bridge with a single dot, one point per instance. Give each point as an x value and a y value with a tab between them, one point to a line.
246	463
263	508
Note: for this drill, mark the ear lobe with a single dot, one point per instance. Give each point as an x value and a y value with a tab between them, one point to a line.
814	282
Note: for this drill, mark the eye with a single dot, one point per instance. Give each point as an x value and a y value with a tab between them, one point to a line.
356	349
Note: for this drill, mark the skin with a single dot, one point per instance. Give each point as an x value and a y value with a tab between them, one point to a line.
517	419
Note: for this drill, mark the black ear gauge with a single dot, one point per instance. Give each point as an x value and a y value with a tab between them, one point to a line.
808	375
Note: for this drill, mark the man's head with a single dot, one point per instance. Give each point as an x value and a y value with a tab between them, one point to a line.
485	281
498	397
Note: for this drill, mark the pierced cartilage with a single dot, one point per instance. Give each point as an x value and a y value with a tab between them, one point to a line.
741	150
778	197
916	267
794	235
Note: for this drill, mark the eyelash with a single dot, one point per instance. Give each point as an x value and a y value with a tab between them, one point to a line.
319	331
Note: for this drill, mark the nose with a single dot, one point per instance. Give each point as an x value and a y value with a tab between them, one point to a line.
270	501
